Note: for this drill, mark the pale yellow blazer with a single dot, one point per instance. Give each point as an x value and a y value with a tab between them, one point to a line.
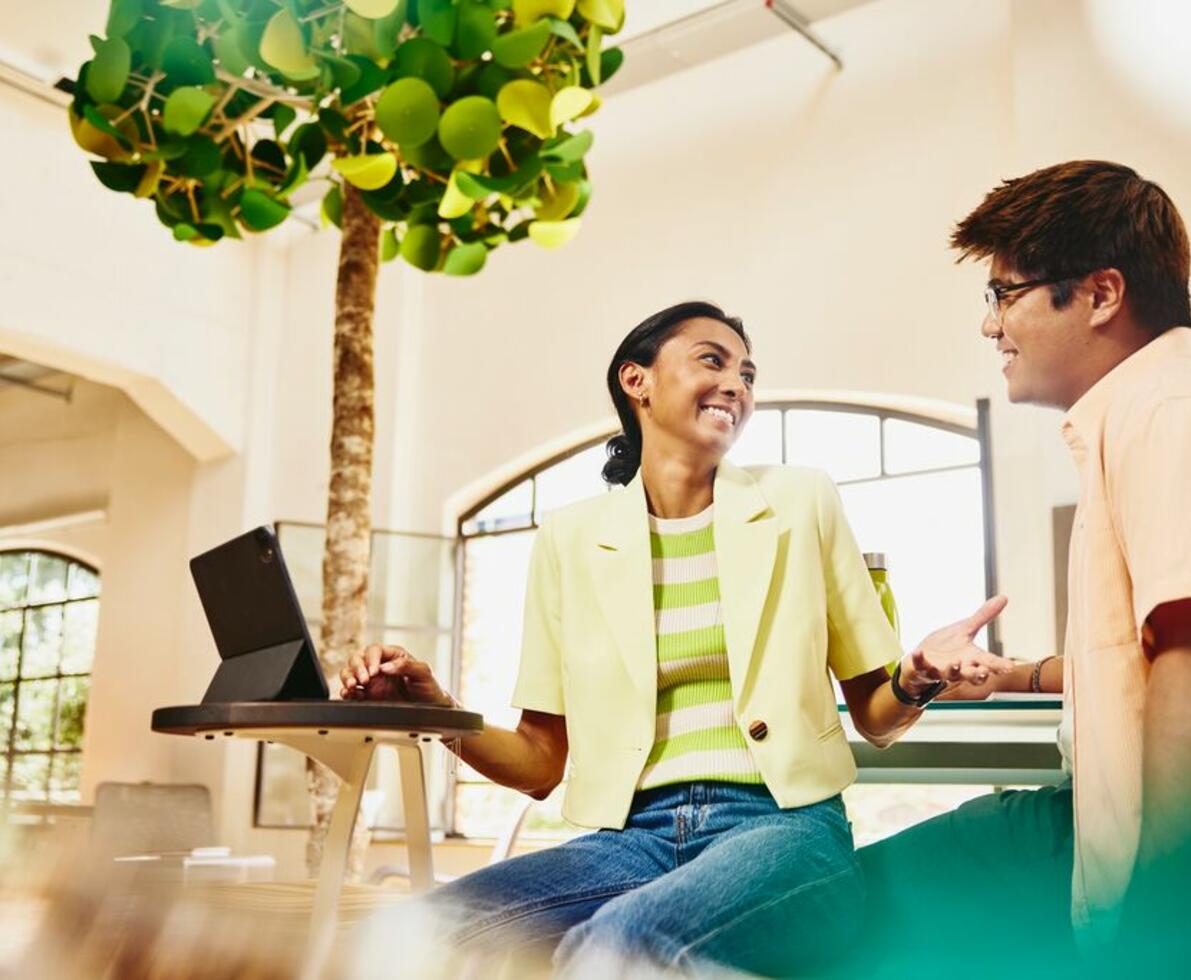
797	600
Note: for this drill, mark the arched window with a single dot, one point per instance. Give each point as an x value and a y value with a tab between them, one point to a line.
49	609
913	488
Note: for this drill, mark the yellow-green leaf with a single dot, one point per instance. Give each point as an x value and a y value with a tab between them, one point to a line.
466	260
569	103
150	179
390	248
369	172
608	14
108	72
526	104
554	234
372	9
284	48
185	109
421	247
454	203
559	202
525	12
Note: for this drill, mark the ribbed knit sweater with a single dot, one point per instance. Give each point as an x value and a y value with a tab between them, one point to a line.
696	737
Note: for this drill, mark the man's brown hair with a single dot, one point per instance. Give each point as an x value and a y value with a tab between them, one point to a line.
1074	218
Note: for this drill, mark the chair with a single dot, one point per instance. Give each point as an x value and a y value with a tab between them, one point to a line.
146	818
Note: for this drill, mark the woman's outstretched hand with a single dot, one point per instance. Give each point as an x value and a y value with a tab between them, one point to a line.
949	654
380	673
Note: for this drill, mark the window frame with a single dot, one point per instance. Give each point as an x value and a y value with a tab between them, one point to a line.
9	750
980	432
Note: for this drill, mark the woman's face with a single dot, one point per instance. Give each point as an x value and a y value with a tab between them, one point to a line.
699	389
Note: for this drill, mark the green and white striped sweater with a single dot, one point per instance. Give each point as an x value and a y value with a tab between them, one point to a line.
696	737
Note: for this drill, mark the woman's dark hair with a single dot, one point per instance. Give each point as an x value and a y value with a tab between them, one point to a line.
641	346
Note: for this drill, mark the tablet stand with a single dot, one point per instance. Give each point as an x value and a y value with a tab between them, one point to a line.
279	673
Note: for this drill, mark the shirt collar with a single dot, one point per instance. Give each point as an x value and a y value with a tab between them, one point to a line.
1087	414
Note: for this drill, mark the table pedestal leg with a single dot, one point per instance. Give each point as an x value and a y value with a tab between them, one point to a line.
417	818
351	764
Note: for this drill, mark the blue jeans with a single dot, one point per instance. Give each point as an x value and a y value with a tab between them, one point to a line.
702	873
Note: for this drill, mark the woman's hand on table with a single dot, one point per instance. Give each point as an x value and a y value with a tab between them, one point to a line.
950	654
384	673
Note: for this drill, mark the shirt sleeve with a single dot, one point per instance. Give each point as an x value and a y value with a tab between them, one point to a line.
1150	473
859	637
539	679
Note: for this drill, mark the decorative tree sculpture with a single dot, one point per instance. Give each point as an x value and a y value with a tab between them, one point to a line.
442	129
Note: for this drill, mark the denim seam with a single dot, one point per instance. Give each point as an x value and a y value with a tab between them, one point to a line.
526	911
685	951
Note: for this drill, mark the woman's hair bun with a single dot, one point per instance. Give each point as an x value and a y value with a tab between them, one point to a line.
624	459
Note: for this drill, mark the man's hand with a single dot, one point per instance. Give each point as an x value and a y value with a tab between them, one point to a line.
948	654
380	673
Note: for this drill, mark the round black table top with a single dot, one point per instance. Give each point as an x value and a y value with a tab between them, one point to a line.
193	719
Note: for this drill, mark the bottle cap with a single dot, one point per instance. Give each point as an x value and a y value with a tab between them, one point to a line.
875	560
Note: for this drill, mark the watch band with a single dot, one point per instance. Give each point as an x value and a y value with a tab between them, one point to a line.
923	699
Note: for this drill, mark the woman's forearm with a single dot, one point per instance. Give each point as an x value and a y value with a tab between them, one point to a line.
527	758
1020	679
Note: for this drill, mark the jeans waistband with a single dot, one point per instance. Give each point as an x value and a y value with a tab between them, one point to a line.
699	794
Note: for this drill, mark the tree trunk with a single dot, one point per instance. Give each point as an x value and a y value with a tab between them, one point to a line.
349	518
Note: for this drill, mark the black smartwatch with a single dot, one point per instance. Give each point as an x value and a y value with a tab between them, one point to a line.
923	699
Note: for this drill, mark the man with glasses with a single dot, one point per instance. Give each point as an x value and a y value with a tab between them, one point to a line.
1087	304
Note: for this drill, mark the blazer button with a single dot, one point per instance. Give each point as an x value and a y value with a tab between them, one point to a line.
758	730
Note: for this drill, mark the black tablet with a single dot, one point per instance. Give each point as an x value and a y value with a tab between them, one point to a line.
258	626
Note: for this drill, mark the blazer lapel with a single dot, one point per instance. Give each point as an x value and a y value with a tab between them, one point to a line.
623	573
746	536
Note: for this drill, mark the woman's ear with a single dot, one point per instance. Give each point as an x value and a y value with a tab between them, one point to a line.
634	379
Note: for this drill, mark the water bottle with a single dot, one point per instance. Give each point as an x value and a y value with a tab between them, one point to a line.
878	570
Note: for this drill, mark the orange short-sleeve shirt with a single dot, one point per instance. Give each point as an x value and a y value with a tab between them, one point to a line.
1130	435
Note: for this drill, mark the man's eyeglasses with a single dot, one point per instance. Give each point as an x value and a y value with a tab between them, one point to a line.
995	292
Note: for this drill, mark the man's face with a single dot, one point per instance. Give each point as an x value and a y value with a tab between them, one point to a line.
1041	348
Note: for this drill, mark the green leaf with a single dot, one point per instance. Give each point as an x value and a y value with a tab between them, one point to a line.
123	17
571	149
331	209
491	78
120	177
466	260
569	103
308	140
525	103
283	47
419	57
429	155
283	115
360	37
333	122
407	112
525	12
231	46
421	246
480	186
386	30
185	110
259	212
390	248
100	122
553	234
184	231
584	197
470	128
367	172
563	29
608	14
372	77
518	48
610	61
565	171
186	62
108	71
295	177
475	30
437	20
372	9
202	157
594	64
387	202
345	73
